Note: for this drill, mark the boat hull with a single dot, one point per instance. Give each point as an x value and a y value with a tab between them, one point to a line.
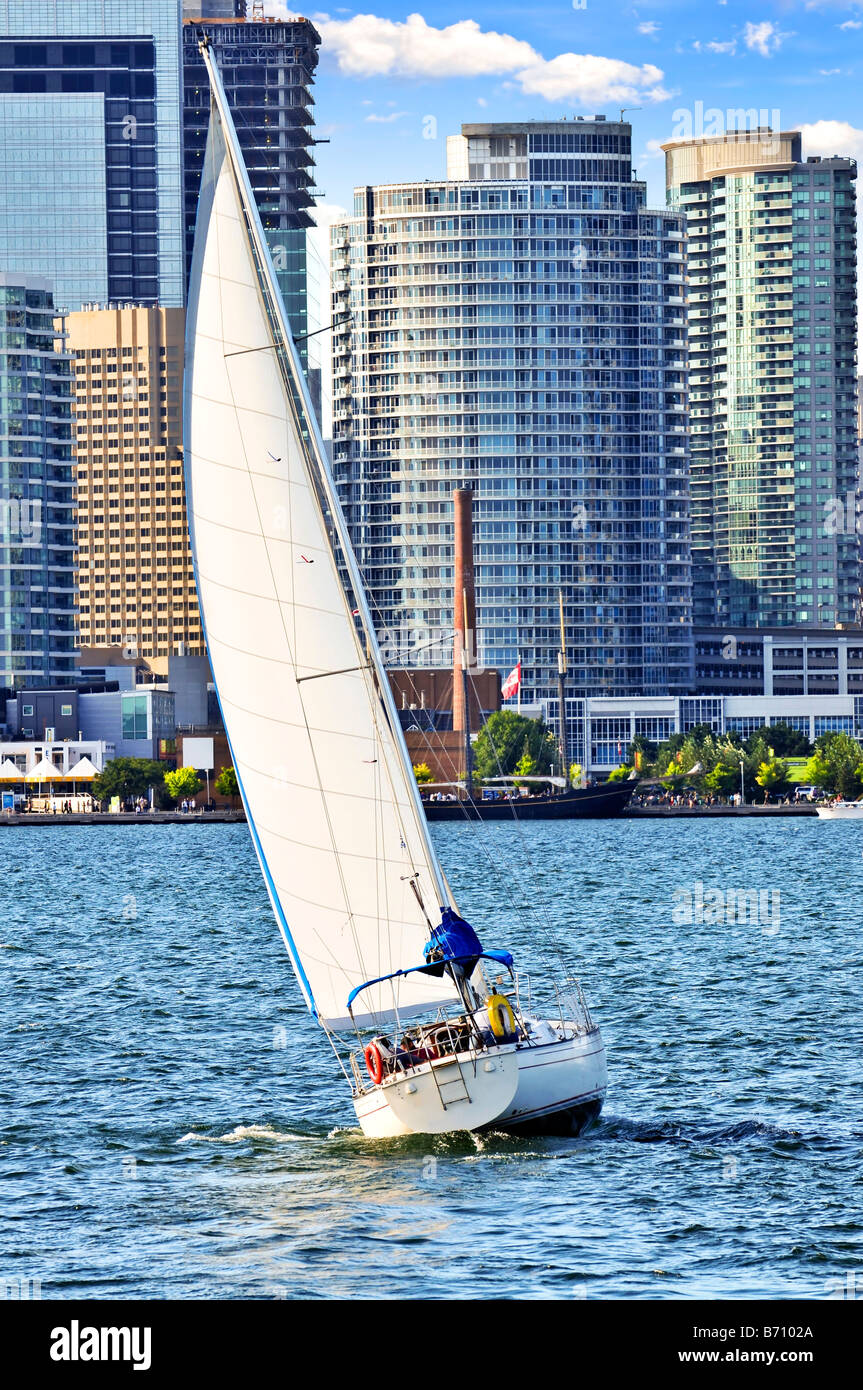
841	810
609	799
559	1087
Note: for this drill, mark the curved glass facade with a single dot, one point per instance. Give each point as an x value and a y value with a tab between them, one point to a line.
772	328
519	329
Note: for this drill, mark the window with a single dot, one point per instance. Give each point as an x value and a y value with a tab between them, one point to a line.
134	710
65	711
27	711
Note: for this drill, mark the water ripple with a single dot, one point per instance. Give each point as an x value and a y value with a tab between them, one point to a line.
174	1124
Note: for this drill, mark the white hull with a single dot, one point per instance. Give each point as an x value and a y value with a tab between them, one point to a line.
559	1083
842	810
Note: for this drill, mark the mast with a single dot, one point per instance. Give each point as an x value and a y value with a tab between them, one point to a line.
323	484
464	645
561	688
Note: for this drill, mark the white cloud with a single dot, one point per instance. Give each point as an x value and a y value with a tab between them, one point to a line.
371	46
851	24
650	26
833	138
652	150
763	38
581	77
828	72
714	46
325	214
385	120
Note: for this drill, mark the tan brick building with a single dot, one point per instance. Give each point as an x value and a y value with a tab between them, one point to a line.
135	585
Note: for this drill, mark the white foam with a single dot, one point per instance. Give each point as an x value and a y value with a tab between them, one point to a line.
241	1132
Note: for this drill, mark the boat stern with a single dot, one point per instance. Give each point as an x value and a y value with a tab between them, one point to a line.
465	1090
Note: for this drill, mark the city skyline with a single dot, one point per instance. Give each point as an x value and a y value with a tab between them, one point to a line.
389	90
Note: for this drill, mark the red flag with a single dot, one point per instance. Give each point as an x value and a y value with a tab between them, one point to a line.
511	685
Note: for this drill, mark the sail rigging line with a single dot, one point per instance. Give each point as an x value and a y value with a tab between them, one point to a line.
466	802
551	939
323	488
293	662
291	646
257	410
293	654
321	675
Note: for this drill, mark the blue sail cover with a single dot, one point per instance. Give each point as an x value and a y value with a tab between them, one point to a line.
455	939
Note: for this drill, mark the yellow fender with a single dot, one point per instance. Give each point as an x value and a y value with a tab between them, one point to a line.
500	1016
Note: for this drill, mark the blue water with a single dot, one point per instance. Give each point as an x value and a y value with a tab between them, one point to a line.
174	1124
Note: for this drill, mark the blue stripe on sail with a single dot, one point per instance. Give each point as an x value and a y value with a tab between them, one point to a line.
192	314
277	906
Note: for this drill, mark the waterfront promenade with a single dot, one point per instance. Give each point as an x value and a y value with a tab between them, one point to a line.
219	817
800	808
223	816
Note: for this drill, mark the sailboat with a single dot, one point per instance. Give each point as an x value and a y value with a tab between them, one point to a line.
433	1030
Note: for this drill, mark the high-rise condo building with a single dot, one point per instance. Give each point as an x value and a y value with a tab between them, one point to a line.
37	546
772	378
135	581
90	148
518	329
267	67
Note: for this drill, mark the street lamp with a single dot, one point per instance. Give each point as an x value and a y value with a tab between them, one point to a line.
742	788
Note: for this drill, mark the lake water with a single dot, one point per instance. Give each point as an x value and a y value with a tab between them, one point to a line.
174	1124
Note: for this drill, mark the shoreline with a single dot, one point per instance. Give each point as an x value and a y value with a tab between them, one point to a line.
220	817
657	812
228	817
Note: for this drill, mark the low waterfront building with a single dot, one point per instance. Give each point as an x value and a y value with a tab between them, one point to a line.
62	754
779	661
607	725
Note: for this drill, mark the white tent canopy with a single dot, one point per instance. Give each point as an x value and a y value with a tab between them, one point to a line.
83	770
44	772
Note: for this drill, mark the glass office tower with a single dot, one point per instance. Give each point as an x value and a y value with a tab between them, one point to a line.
518	328
90	140
37	576
772	386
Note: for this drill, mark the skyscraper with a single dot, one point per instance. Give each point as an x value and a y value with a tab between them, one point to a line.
135	582
267	67
90	141
772	323
518	329
37	551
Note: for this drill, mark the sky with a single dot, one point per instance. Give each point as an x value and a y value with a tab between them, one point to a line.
395	80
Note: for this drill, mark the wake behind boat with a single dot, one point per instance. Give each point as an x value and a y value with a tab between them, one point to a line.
433	1030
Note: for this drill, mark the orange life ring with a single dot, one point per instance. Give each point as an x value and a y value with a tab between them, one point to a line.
374	1063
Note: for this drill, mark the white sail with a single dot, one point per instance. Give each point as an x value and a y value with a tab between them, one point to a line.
338	829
